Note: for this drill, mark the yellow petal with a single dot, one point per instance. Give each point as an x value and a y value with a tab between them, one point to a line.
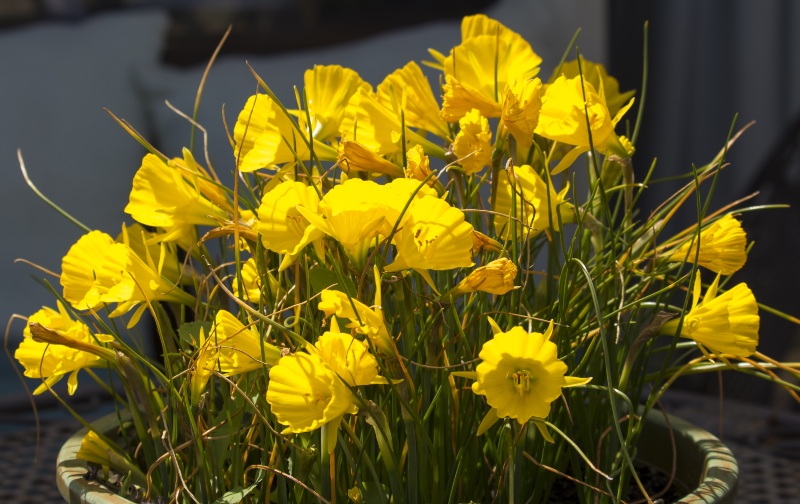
434	236
473	143
328	88
563	116
280	224
408	89
490	419
478	70
305	394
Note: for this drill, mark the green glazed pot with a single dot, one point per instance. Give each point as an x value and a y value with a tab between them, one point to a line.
71	472
702	462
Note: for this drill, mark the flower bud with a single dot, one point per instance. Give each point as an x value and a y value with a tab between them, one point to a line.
418	165
482	243
497	277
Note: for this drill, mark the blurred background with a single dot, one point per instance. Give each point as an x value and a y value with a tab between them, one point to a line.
63	61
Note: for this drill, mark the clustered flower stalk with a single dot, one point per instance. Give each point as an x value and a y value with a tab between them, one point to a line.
402	299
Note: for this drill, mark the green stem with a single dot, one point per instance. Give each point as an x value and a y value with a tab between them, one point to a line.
325	462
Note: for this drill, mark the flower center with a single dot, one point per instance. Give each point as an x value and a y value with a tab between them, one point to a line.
317	400
522	381
426	241
296	223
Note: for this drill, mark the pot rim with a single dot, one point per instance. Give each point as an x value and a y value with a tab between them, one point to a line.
702	462
700	452
71	472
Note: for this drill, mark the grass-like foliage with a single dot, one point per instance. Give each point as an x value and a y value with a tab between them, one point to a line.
407	295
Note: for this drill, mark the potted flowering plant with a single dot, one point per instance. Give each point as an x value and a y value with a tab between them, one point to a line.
401	298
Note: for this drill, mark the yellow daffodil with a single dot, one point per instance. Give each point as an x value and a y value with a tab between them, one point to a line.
408	89
497	277
520	375
147	244
354	156
304	394
418	166
97	270
522	102
400	192
281	226
252	282
327	91
725	324
65	346
130	280
231	348
596	74
434	235
563	116
174	196
240	347
530	202
722	247
379	128
356	212
473	143
266	136
204	367
368	122
95	450
364	319
348	357
482	243
353	213
78	278
477	70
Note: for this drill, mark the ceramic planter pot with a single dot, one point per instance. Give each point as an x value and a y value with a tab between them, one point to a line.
703	463
71	472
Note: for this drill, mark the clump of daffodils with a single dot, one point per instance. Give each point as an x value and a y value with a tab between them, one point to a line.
402	298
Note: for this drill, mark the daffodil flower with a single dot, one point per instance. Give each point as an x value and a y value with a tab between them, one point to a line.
353	213
354	156
478	70
95	450
408	89
597	76
310	389
520	375
81	286
304	394
522	102
566	104
378	128
68	346
722	247
418	165
434	236
473	143
231	348
497	277
97	271
281	226
253	281
725	324
176	195
364	319
348	357
536	203
327	89
265	136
